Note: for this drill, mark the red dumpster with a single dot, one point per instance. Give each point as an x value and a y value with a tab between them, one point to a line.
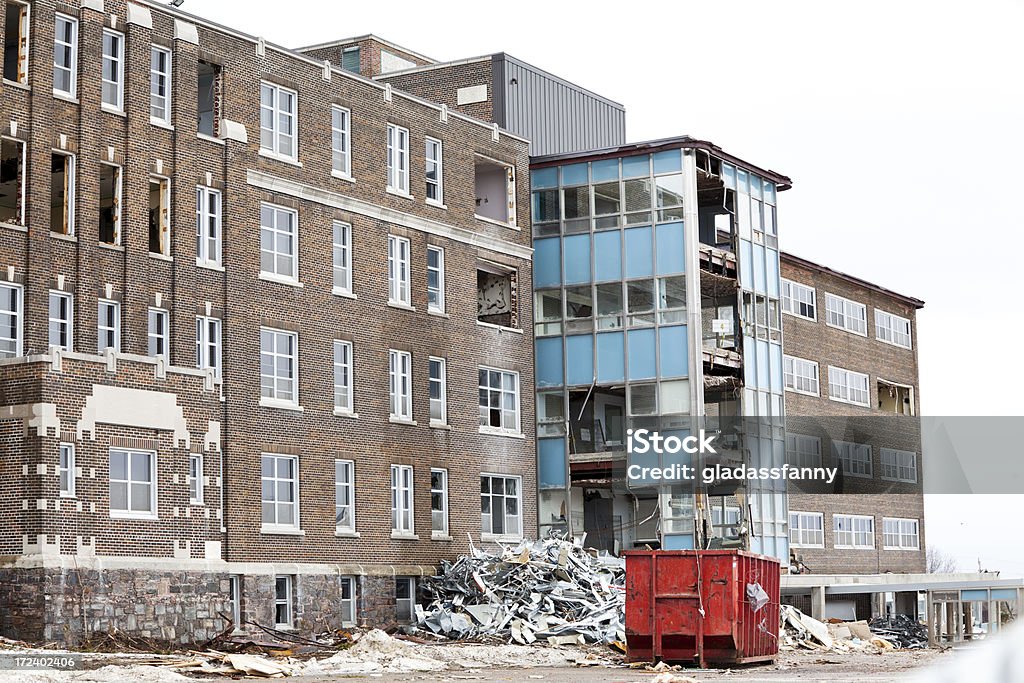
695	606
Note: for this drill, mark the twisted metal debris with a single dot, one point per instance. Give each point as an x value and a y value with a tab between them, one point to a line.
549	589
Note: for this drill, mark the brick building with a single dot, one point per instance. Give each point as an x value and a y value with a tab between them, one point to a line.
265	331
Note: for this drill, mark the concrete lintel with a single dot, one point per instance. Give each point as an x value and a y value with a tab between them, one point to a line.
232	130
95	5
186	32
140	16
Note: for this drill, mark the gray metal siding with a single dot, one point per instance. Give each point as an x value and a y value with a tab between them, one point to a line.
557	117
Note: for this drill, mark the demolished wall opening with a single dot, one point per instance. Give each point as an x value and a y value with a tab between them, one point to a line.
16	17
159	216
497	293
495	190
895	398
110	204
210	86
597	419
62	193
12	181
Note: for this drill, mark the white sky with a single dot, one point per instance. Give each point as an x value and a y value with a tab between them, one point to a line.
900	124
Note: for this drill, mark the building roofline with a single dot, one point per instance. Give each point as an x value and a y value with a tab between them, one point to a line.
797	260
369	36
649	146
507	57
435	65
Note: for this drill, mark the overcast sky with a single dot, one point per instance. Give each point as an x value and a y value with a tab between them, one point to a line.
899	122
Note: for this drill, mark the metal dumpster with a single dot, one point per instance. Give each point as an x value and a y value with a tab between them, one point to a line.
686	606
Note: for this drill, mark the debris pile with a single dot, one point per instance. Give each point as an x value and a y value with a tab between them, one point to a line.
799	630
901	630
549	589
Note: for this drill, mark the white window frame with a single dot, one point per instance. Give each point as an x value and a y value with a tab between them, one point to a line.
128	513
398	159
349	604
485	425
157	79
403	518
195	478
205	344
840	386
341	142
235	600
898	465
400	385
208	220
399	274
796	295
854	458
803	450
349	487
155	315
343	367
289	589
118	63
19	220
118	200
271	395
104	330
66	469
442	492
280	215
843	314
15	332
72	47
277	137
886	329
487	519
807	536
24	33
851	534
441	382
70	182
164	219
799	373
275	526
435	295
341	255
435	163
405	608
897	532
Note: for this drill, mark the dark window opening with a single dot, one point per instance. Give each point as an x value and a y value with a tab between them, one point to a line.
62	193
12	182
211	84
350	59
496	297
159	217
598	419
16	42
110	204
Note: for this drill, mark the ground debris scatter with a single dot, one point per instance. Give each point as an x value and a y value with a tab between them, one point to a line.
801	631
550	590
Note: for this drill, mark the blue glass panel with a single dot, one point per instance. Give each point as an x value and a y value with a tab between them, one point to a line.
611	359
677	542
639	252
762	368
746	257
668	161
579	354
760	280
729	176
549	362
674	349
577	259
641	354
976	594
772	263
636	166
544	177
671	249
574	174
1004	594
748	367
608	256
776	367
606	169
547	262
551	463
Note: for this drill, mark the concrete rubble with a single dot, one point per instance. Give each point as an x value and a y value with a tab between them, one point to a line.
551	590
799	630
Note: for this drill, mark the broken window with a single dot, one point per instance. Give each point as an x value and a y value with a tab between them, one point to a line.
609	306
579	309
497	292
62	193
895	398
495	185
547	312
640	298
110	204
672	299
16	42
159	216
499	400
550	413
210	93
598	419
12	181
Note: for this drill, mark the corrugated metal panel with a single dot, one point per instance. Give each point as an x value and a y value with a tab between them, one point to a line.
556	116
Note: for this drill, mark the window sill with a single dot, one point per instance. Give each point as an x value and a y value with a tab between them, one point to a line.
159	123
491	431
142	517
849	403
402	421
492	221
854	547
65	97
291	282
161	257
291	161
440	425
898	346
14	226
283	405
197	503
812	547
438	314
61	236
340	412
338	291
500	328
398	193
209	138
846	329
401	306
111	247
18	84
801	317
111	109
803	393
209	265
342	176
404	536
274	530
440	536
439	205
500	538
345	533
